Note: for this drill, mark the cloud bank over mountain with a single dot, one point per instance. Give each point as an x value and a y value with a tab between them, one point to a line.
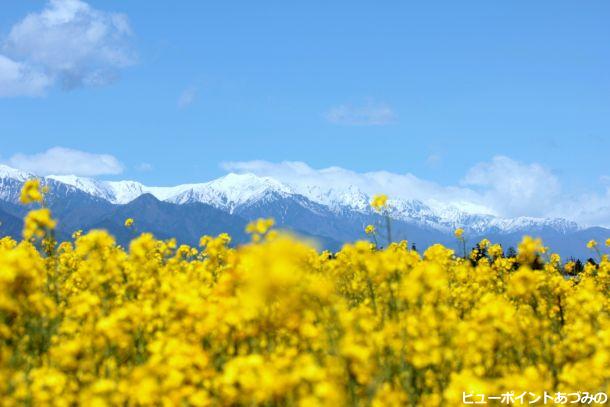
67	161
329	213
501	187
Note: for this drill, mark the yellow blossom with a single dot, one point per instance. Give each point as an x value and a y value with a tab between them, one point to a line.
37	223
495	250
379	201
484	243
260	226
30	192
555	259
277	322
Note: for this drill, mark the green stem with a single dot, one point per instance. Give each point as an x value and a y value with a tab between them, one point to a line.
388	228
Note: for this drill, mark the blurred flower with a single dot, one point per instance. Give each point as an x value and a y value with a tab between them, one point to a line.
30	192
379	202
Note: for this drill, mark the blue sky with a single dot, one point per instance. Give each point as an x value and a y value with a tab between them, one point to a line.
428	88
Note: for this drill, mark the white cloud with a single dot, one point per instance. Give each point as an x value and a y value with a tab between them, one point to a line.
66	161
502	187
187	97
369	114
405	186
17	79
591	208
514	188
68	42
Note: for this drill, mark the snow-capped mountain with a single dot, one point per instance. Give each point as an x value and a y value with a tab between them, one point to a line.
234	191
331	214
10	183
231	191
7	172
116	192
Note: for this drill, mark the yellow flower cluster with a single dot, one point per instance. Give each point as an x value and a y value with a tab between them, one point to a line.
459	233
37	223
31	192
260	228
277	323
379	202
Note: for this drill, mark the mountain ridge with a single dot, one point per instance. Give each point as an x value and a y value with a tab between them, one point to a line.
329	213
233	190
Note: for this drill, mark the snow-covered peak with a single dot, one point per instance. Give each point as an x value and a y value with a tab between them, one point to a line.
230	191
225	192
521	223
10	183
13	173
350	197
125	191
248	182
91	186
117	192
235	190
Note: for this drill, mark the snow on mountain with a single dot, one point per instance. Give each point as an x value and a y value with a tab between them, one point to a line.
226	192
234	190
127	191
10	183
93	187
231	191
522	223
336	199
117	192
7	172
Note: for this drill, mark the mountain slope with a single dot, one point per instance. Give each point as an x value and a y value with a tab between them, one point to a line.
330	214
10	225
187	223
235	191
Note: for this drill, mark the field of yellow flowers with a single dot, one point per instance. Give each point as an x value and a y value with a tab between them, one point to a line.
276	322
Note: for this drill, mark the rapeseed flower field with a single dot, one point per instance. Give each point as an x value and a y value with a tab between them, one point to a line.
277	322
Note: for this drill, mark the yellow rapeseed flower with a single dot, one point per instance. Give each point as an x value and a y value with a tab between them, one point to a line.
495	250
530	249
260	226
37	223
379	201
369	229
555	259
592	244
459	233
128	222
30	192
277	322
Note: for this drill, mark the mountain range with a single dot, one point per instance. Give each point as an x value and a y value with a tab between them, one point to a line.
329	215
